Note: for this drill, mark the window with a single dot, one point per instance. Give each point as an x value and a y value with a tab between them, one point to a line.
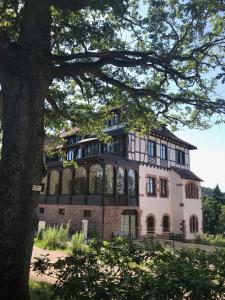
95	181
62	211
80	181
87	213
74	139
120	181
54	182
114	147
150	224
180	157
92	149
131	183
163	152
41	210
66	187
114	120
192	191
109	178
129	223
44	184
151	188
151	149
166	223
193	224
163	187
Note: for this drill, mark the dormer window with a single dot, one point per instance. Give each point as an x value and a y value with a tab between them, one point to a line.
163	152
180	157
73	139
114	120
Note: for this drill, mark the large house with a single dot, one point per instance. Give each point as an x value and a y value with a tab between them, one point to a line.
133	186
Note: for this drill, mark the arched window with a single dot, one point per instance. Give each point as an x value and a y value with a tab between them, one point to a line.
80	181
109	178
95	181
54	182
120	181
66	187
166	223
131	183
191	190
193	224
44	182
151	224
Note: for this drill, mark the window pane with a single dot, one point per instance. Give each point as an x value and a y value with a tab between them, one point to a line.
66	182
163	151
54	183
120	181
131	183
95	182
80	181
109	176
151	148
151	185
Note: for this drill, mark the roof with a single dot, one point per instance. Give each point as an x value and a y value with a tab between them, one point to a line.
186	174
68	133
87	140
168	135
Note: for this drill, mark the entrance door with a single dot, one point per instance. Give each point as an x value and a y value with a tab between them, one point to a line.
129	223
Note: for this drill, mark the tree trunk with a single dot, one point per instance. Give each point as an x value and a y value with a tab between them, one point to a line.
21	164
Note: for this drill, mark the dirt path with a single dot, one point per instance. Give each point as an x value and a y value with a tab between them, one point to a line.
53	256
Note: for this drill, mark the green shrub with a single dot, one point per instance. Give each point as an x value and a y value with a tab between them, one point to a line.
210	239
120	270
55	237
77	242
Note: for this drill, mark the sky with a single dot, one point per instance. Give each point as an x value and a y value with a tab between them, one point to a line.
208	162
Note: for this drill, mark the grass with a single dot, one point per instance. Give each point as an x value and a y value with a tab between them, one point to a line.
210	239
41	291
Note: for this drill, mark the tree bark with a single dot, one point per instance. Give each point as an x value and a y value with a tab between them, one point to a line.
20	169
25	78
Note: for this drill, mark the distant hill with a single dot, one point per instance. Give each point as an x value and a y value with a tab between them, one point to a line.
206	191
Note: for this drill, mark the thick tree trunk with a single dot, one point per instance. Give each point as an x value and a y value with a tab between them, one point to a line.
20	169
25	78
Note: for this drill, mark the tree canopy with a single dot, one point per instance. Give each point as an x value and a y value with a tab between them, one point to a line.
157	60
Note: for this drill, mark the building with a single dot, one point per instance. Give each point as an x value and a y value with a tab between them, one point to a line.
133	186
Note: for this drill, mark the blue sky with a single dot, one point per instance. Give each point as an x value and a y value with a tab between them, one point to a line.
208	162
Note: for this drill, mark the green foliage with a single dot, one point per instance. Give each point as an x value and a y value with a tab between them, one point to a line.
210	239
120	270
78	242
41	291
54	237
214	212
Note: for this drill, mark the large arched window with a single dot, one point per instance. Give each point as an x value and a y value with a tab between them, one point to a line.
95	181
166	223
150	224
80	181
54	182
193	224
120	181
131	183
109	178
191	190
66	187
44	183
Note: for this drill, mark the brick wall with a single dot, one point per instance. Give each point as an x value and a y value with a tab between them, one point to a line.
75	214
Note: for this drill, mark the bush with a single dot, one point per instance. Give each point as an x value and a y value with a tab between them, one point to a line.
120	270
78	242
210	239
55	237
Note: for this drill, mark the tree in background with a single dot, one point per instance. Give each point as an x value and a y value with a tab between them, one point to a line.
70	60
214	212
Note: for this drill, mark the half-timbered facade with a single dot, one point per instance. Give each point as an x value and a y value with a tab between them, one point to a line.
131	186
